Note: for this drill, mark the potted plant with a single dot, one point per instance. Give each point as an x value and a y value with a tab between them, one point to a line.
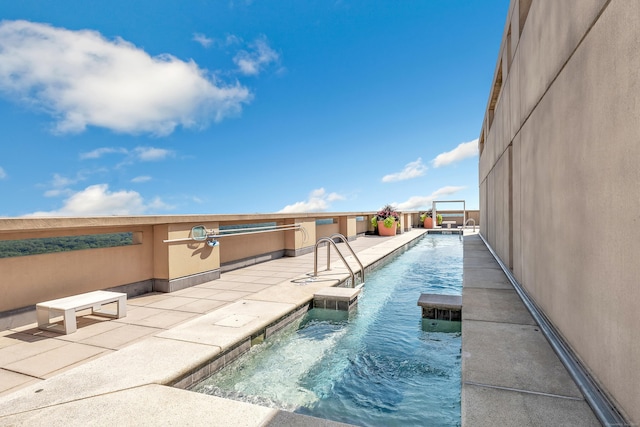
427	219
439	219
386	220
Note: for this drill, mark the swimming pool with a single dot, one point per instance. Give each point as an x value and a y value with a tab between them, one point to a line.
380	365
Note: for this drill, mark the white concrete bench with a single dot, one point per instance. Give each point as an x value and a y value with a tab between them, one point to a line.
448	223
68	306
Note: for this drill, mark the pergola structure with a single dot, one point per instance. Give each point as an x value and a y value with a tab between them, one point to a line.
464	209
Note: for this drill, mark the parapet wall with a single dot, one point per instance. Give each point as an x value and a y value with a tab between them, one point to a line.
151	264
559	151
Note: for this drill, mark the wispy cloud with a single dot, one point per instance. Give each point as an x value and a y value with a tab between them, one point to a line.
143	154
252	62
98	200
461	152
318	200
202	39
60	185
99	152
151	154
228	40
83	79
3	174
140	179
424	202
410	171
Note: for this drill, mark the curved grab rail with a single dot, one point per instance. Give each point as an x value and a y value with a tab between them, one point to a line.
474	223
344	240
315	259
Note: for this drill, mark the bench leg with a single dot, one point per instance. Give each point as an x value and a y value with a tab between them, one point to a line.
122	307
43	317
70	325
120	311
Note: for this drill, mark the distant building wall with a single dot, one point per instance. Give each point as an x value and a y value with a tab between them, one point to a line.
559	176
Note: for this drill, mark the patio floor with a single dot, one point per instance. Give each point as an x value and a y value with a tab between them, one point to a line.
117	370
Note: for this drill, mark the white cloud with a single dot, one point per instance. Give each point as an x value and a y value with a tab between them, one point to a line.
150	154
261	55
410	171
332	197
318	200
59	181
3	174
462	151
82	79
228	40
143	154
57	192
98	200
424	202
157	204
140	179
99	152
202	39
60	185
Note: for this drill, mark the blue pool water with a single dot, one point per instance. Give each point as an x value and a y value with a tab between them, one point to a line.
380	365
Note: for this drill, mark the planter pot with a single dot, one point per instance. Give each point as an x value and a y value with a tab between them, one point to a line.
384	231
428	222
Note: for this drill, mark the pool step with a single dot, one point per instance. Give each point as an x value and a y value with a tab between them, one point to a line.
343	299
441	307
445	231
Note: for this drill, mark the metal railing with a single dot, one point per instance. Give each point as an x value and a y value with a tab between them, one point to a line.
474	224
330	242
210	235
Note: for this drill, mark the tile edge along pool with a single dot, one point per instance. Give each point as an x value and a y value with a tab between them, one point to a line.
243	345
421	267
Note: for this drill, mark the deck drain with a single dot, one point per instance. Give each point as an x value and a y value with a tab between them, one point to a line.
235	321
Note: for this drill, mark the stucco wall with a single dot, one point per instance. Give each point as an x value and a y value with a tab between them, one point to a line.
28	280
185	259
572	103
245	246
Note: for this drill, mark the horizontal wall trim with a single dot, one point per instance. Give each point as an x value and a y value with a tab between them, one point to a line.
172	285
252	260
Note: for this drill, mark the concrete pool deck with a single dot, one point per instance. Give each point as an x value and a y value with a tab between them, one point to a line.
118	371
510	374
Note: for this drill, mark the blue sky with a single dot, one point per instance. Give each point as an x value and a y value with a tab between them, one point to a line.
207	107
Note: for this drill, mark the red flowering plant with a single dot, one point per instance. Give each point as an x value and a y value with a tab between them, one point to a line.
387	215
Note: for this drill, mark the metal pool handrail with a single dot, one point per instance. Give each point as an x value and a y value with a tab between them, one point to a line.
344	240
331	242
474	224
